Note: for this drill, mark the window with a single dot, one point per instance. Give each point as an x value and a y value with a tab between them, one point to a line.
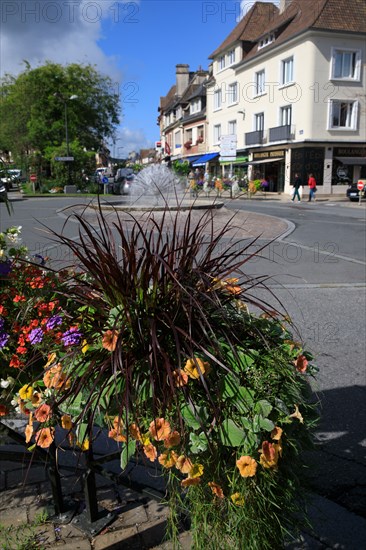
343	114
177	139
222	63
260	83
285	115
216	133
346	64
195	106
266	41
231	57
217	99
233	93
259	122
231	127
287	71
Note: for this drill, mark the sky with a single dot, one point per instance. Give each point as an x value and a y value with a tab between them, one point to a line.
136	43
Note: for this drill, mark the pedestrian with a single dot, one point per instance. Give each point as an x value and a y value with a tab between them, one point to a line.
296	185
312	187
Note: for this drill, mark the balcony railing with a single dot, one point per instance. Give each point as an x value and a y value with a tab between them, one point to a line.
254	138
280	133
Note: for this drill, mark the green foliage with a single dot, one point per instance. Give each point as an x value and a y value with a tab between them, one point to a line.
84	161
38	98
24	536
181	168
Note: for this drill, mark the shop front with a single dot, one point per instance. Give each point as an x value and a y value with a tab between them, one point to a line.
349	165
269	166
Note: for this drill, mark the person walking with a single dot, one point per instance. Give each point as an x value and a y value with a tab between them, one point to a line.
296	185
312	187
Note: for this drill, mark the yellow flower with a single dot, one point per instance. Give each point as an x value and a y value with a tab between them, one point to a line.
195	366
84	446
237	499
51	359
247	466
168	460
26	392
190	481
196	471
66	422
85	346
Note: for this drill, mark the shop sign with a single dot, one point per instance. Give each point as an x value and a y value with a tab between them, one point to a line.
349	152
228	147
269	154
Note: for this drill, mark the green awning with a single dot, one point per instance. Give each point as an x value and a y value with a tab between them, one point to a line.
238	160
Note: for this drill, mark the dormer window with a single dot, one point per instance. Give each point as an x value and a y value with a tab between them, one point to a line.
195	106
222	63
231	57
268	39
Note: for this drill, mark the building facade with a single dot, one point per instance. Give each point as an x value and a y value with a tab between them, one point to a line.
285	95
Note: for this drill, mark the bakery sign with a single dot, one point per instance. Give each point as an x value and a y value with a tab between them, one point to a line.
269	154
349	152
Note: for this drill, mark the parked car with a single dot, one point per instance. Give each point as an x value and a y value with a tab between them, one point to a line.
354	194
122	181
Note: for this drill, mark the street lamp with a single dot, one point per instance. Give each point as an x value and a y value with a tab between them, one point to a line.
65	100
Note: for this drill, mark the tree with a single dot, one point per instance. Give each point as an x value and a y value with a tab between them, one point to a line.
32	108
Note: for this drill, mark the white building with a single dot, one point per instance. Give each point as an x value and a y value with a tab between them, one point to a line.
289	83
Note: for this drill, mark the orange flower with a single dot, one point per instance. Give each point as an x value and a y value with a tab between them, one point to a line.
247	466
55	378
297	414
117	423
150	452
19	298
117	435
195	367
190	481
109	340
184	464
216	489
269	455
36	398
159	429
135	431
44	437
301	363
172	440
276	433
66	422
28	433
168	460
3	410
51	358
180	378
43	413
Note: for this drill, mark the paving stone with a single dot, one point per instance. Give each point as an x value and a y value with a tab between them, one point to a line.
153	533
185	540
18	497
126	538
73	544
35	510
45	534
133	515
13	516
156	510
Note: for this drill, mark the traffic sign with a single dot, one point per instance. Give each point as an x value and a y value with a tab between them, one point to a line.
105	179
360	185
64	158
33	177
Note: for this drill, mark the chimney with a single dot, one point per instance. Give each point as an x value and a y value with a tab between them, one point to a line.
182	78
284	4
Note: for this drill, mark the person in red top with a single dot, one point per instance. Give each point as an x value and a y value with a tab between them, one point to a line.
312	187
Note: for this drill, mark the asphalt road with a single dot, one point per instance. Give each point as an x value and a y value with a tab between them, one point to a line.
318	272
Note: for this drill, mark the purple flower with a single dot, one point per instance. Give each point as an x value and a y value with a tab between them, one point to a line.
53	322
5	267
35	336
71	337
3	339
2	323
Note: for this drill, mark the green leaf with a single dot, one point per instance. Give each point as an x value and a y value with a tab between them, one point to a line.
230	434
81	431
190	417
115	315
266	424
198	442
263	407
127	452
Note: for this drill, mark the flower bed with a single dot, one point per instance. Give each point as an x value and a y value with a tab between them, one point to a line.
154	340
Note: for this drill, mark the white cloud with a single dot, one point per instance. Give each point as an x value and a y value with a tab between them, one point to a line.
63	31
128	141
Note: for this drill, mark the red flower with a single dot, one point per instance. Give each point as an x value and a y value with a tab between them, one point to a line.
21	350
19	298
301	363
15	362
3	311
